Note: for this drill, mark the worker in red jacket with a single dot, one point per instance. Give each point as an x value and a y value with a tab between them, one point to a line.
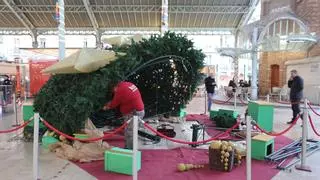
128	99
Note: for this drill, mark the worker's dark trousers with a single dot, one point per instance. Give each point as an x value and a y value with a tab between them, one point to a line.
128	134
295	108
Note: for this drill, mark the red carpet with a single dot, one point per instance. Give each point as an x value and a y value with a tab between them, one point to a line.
161	164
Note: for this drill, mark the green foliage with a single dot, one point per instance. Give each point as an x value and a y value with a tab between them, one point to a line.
166	83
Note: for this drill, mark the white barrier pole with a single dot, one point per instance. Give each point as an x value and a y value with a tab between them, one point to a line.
268	98
205	102
303	166
248	139
280	97
1	104
36	146
15	109
135	147
235	99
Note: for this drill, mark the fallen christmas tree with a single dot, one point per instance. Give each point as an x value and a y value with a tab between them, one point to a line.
165	68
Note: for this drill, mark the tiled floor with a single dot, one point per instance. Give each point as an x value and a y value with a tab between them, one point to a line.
16	155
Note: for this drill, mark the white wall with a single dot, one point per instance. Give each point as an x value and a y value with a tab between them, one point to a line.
309	70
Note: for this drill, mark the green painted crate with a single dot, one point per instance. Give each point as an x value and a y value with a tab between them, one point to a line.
228	112
120	160
213	114
262	113
261	146
183	112
27	113
47	140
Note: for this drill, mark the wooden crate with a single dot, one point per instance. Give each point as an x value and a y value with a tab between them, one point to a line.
215	160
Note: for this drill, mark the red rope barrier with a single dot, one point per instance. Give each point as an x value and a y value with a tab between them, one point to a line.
313	110
313	127
242	102
17	128
221	102
186	142
280	133
83	140
283	102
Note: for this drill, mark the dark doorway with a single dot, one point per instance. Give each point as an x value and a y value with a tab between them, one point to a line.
275	75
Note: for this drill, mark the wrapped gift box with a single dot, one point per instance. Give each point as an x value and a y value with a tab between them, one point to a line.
120	160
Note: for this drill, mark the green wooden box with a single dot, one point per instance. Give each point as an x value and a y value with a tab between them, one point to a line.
28	112
261	146
213	114
183	112
227	112
120	160
47	140
262	113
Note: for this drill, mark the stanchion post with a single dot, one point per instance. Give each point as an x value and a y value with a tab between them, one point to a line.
36	146
1	104
205	102
303	166
15	110
235	99
135	147
248	139
268	98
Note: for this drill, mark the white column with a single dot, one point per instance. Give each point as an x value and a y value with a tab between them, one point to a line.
36	146
99	44
236	70
236	60
164	16
254	93
248	139
135	147
61	31
34	37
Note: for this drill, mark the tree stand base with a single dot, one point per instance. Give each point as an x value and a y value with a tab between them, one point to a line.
303	168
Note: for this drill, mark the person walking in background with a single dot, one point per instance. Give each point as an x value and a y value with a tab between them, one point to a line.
210	84
295	84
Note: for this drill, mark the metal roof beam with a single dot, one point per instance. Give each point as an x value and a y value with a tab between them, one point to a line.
19	14
136	8
245	18
90	13
117	31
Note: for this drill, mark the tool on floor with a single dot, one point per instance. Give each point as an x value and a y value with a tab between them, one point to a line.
287	167
167	129
195	133
293	149
154	138
186	167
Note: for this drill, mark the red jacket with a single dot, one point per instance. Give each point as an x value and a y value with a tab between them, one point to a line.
127	97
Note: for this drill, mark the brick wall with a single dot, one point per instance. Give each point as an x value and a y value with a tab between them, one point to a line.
279	58
309	11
